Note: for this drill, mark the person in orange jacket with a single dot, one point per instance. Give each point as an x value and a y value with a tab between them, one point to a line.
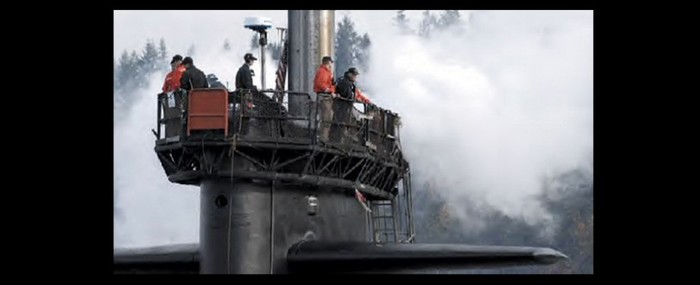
172	80
361	97
323	82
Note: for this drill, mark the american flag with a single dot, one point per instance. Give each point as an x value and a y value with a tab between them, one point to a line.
363	201
281	74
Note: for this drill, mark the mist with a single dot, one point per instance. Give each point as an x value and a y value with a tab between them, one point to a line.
491	110
152	211
149	209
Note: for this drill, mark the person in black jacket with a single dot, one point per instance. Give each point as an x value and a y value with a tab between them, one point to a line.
244	76
193	77
342	109
346	85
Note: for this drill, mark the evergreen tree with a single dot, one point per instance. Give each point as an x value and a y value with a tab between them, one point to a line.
345	40
127	71
427	24
132	70
191	51
351	49
254	44
124	70
162	50
569	197
136	77
362	52
448	19
116	74
275	50
150	59
401	21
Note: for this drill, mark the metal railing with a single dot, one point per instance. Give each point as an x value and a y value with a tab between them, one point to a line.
264	116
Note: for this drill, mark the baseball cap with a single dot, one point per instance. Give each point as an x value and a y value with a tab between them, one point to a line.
249	56
176	58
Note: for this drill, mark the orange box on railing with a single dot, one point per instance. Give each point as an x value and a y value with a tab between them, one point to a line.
208	110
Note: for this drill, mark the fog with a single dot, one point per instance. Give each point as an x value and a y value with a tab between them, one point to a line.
491	109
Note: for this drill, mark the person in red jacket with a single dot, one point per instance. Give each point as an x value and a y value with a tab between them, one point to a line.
172	80
323	82
361	97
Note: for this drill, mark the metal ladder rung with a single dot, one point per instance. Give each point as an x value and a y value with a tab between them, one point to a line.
383	218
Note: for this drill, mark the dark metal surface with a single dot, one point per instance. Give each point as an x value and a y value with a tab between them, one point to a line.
342	249
170	117
313	180
311	35
236	224
338	217
370	257
299	63
369	131
177	258
234	231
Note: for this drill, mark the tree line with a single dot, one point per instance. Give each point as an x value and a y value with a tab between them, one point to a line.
568	196
352	49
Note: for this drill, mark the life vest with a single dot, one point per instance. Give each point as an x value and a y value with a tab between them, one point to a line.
323	82
172	80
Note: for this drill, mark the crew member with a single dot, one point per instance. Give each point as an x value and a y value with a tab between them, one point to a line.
323	82
193	77
244	76
342	109
347	87
172	80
